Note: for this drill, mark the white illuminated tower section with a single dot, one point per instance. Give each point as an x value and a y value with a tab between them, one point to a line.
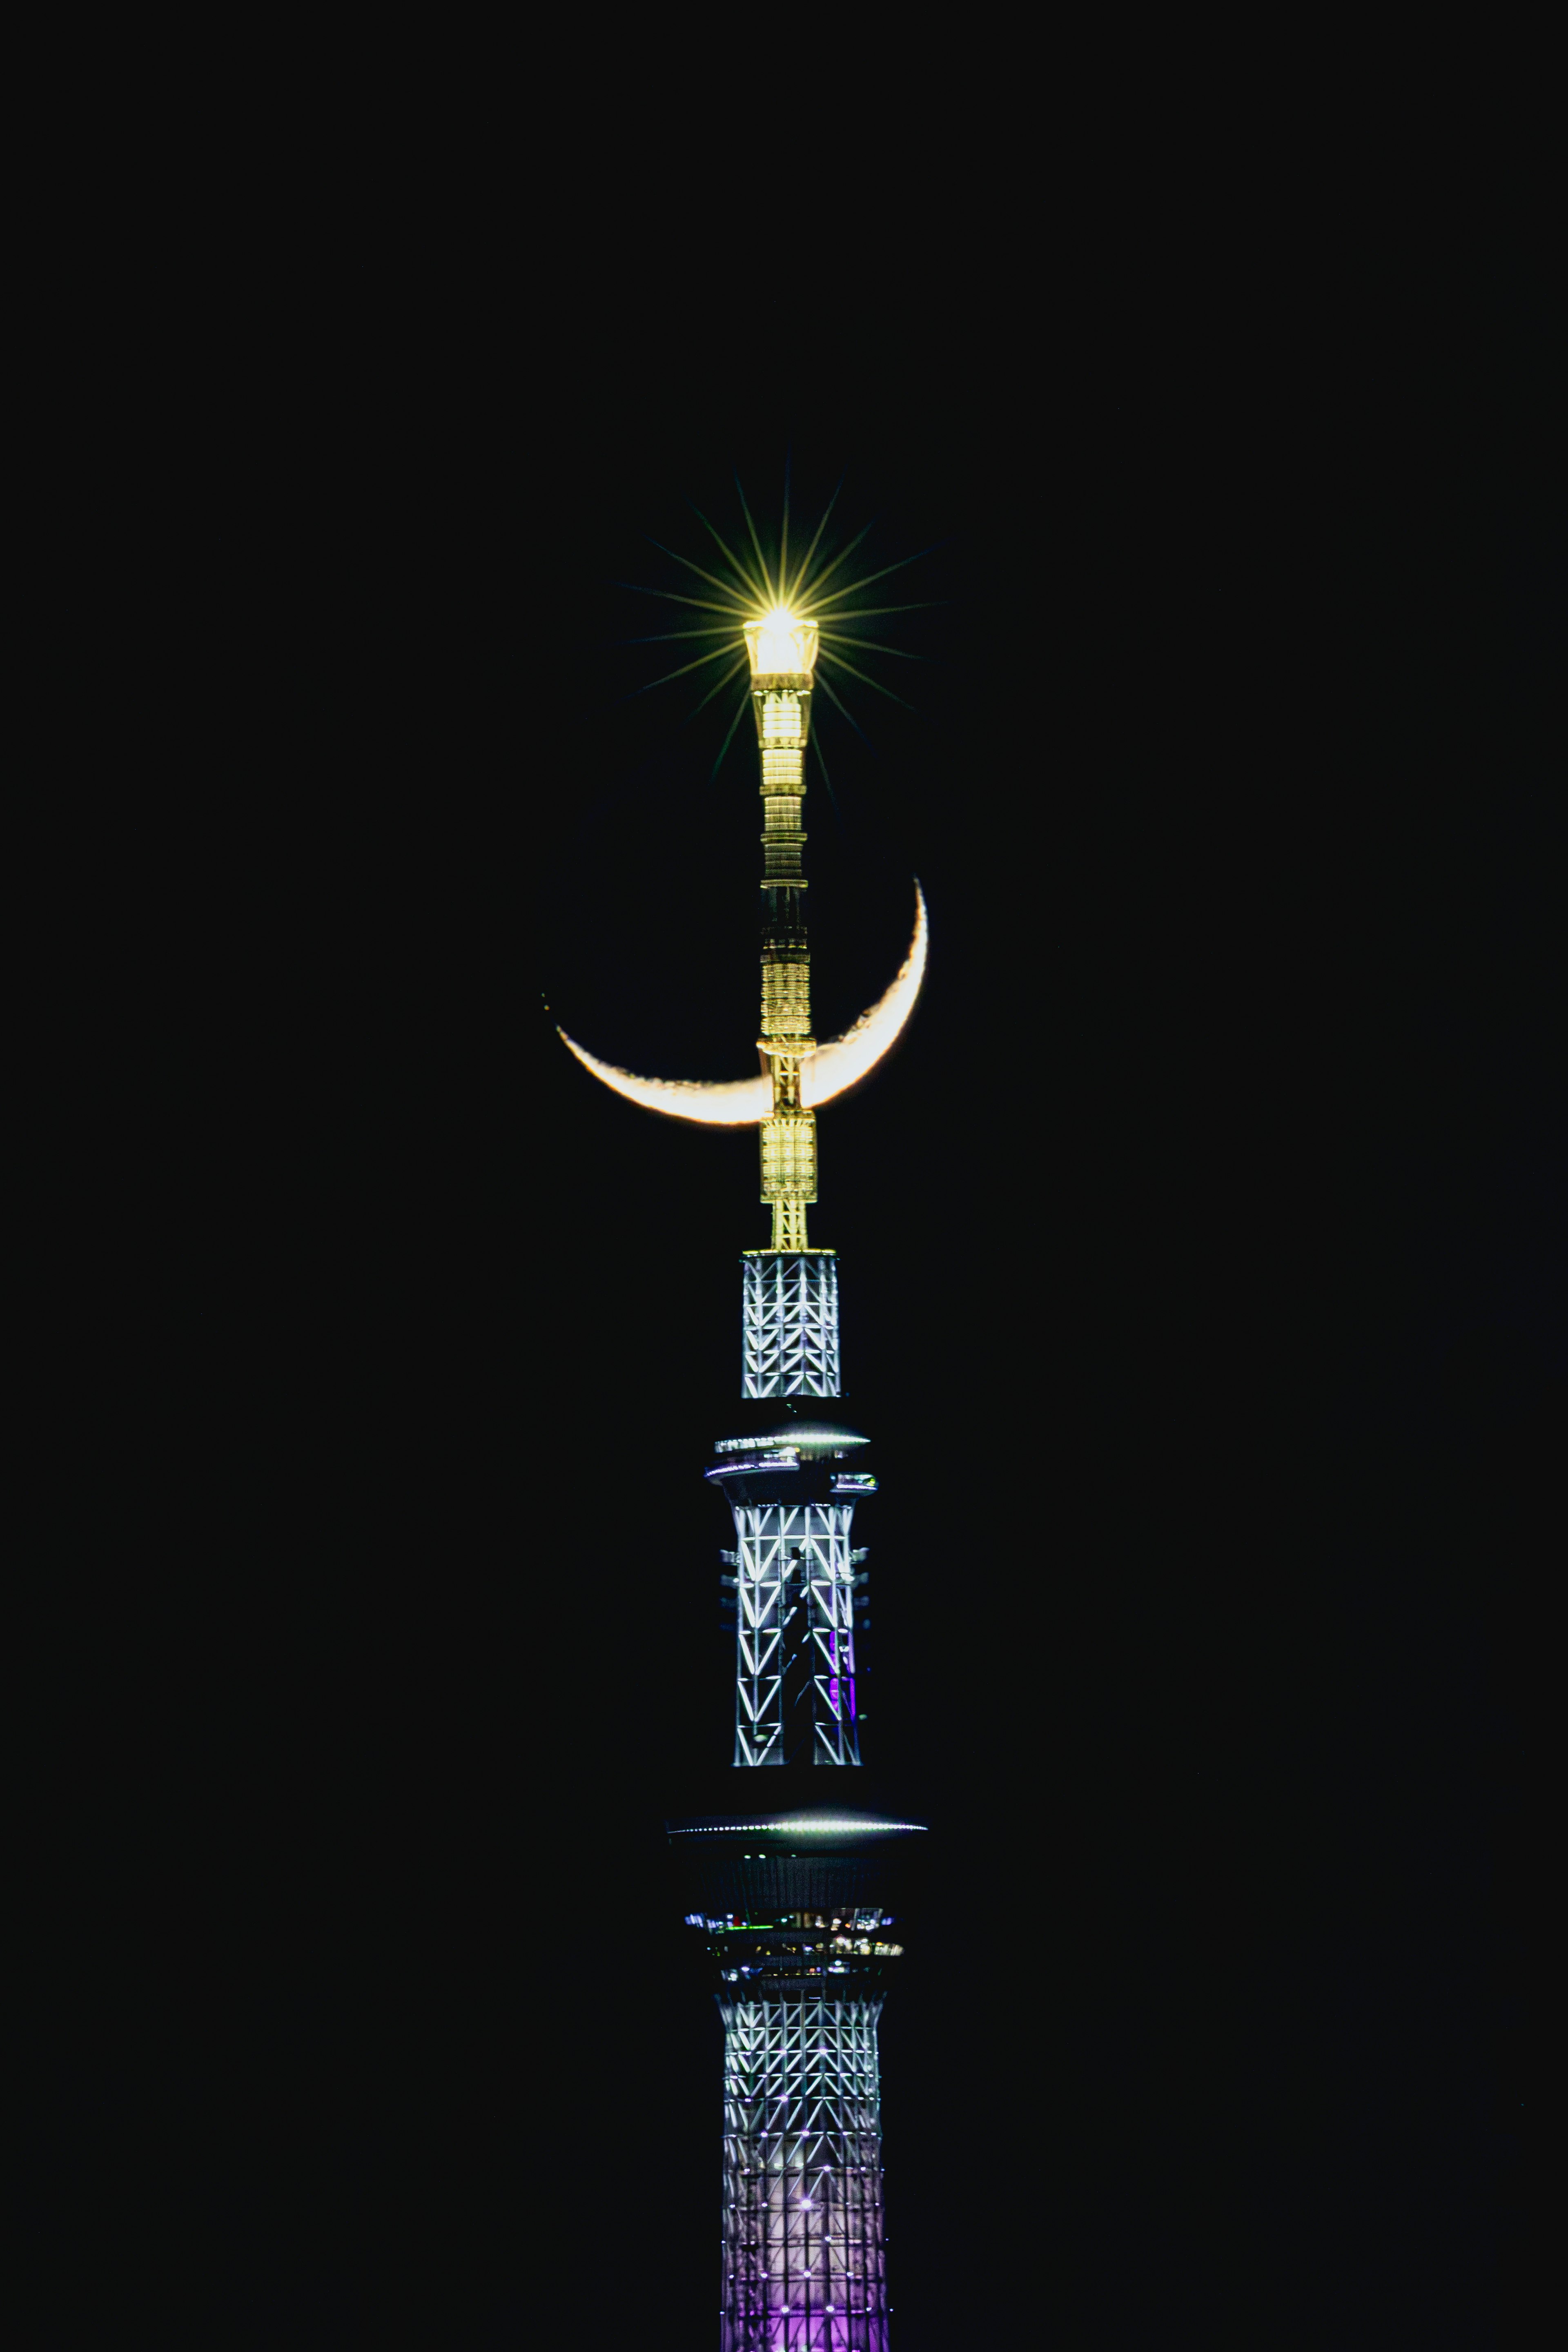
800	1894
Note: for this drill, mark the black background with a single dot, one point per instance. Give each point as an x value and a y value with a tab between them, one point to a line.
1198	1288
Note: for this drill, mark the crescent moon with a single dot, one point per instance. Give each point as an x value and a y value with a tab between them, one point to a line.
831	1070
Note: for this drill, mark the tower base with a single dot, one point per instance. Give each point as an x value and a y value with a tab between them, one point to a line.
804	2264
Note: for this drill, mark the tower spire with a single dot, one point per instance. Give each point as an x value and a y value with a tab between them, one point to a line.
782	650
794	1896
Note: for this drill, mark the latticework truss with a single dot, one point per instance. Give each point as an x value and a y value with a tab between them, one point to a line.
794	1634
790	1323
805	2267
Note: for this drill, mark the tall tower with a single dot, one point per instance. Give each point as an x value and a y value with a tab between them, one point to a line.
798	1893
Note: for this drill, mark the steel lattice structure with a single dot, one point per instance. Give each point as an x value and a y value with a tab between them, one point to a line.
795	1636
804	2242
794	1906
790	1323
795	1901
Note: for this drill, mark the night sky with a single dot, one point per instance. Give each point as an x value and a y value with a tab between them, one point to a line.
1199	1289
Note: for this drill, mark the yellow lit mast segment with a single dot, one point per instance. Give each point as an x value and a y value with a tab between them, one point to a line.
781	649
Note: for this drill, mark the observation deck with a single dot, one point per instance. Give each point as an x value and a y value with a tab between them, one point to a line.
801	1900
787	1456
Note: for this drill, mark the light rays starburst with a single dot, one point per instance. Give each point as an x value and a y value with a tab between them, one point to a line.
748	586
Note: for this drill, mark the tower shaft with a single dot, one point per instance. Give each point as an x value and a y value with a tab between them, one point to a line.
794	1634
795	1901
802	1944
789	1324
804	2262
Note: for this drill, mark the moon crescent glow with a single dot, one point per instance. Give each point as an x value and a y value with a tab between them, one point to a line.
832	1068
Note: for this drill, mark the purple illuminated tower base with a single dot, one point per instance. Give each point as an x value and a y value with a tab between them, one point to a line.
802	2177
803	1914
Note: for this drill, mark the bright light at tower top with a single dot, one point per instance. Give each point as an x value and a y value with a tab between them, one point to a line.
789	622
782	644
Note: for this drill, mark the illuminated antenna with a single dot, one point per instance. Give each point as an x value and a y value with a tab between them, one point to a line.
782	650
